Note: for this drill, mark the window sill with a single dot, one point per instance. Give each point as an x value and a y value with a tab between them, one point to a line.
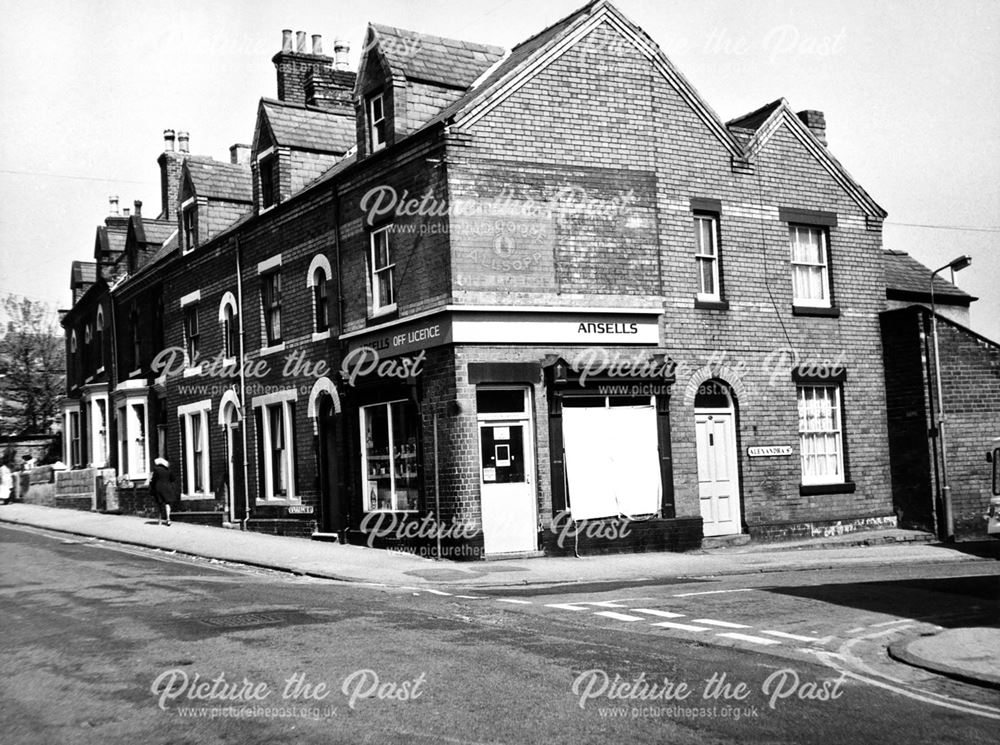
321	335
391	512
812	490
278	502
387	313
815	311
199	495
711	304
272	350
190	372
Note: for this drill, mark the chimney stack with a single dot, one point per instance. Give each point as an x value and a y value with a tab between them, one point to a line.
341	49
138	207
816	123
125	212
170	161
295	67
113	205
239	154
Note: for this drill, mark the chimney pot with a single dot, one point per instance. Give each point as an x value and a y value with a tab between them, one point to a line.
168	140
286	40
341	49
138	207
317	43
300	42
183	142
113	205
125	212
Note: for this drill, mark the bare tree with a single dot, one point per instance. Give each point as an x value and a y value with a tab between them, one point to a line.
32	367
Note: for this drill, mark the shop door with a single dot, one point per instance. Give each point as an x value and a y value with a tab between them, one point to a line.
508	494
718	478
332	518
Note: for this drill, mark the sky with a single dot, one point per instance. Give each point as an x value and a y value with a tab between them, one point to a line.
909	89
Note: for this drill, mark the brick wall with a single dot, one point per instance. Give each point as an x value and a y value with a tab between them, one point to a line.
970	375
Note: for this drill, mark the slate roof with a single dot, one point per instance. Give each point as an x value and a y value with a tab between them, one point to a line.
307	128
111	238
84	271
448	62
755	118
153	231
217	180
908	279
517	56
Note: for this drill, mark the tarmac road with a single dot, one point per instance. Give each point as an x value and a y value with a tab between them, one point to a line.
111	644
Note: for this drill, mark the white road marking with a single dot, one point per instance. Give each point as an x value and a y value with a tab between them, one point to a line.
797	637
565	606
892	623
711	592
680	626
470	597
660	613
887	632
749	638
437	592
513	600
618	616
605	604
968	708
723	624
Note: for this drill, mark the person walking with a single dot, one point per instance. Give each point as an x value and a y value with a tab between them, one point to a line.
162	489
6	482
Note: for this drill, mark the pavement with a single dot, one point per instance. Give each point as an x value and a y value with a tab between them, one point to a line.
971	654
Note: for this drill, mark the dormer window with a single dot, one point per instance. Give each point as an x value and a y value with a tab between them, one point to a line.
376	122
268	182
189	218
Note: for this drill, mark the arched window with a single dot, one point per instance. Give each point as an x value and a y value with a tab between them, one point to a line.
318	279
230	326
99	336
72	342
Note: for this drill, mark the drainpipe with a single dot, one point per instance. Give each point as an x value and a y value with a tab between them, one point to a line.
243	388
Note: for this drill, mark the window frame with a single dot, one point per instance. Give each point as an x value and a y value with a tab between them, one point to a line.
194	470
263	408
391	457
270	305
189	225
379	307
377	135
99	338
715	258
268	183
823	266
229	320
837	410
192	334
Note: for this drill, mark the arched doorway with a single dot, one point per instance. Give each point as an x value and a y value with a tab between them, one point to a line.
324	406
229	419
718	462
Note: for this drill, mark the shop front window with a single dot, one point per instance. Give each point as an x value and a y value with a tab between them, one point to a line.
389	454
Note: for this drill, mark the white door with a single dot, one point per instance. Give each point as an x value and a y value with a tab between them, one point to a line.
507	486
718	477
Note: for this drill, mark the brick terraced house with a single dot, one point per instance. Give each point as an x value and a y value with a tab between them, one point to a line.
543	298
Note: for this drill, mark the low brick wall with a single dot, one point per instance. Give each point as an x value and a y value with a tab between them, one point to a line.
618	536
76	490
820	529
280	526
